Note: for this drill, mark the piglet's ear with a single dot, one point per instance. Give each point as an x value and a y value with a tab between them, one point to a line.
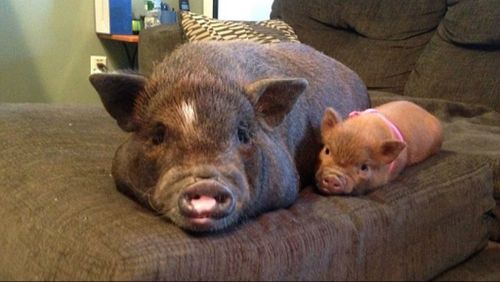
275	98
330	119
118	92
389	150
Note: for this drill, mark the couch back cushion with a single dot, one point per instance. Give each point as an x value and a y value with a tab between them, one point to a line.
462	61
379	39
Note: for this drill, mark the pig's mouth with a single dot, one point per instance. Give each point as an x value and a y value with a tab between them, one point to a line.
205	224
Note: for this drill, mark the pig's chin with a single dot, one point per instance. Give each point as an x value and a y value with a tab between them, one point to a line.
202	224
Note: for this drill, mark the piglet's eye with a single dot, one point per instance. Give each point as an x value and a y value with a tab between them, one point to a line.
158	135
327	151
364	167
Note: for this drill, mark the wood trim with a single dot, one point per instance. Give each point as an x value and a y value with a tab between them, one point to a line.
120	37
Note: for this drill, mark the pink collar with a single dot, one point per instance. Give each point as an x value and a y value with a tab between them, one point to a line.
391	125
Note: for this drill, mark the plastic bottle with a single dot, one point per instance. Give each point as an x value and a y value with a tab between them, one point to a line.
152	17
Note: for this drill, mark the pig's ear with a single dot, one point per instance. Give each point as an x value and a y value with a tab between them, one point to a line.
118	92
275	98
389	150
330	119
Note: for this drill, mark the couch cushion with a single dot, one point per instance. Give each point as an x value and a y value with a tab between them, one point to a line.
387	34
379	19
199	27
462	60
62	218
472	23
481	267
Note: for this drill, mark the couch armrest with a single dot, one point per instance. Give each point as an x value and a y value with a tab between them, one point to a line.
155	43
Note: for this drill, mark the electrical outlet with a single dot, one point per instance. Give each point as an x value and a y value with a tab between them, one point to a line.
98	64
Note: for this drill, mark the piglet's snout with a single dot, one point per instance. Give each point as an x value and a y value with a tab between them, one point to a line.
206	199
333	183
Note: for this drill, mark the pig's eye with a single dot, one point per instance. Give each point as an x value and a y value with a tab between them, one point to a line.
364	167
158	134
243	133
327	151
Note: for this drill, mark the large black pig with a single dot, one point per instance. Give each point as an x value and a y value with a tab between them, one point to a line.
223	131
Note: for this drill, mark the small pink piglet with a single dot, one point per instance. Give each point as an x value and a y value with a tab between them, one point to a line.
372	147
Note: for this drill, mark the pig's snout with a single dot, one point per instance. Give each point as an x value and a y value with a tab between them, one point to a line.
333	184
333	181
206	199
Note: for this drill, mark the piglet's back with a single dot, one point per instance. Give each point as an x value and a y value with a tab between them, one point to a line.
421	130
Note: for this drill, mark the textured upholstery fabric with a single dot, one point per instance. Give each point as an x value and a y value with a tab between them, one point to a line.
62	218
462	61
378	19
380	40
472	23
483	267
198	27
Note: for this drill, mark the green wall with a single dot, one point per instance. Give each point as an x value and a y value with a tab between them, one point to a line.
45	50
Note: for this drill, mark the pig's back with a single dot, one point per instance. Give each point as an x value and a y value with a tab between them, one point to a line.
238	63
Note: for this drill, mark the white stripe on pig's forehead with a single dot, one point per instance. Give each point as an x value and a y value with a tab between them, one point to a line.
188	115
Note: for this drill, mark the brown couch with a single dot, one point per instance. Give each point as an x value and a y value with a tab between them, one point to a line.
61	217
